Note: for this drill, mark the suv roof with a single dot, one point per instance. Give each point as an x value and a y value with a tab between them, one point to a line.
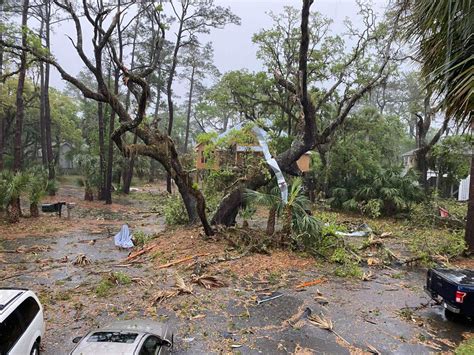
8	296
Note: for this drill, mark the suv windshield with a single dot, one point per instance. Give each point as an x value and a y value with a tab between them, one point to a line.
112	337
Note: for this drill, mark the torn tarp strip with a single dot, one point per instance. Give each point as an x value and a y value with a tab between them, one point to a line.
261	137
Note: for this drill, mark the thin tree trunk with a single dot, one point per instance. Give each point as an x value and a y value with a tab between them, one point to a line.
47	108
469	236
2	140
44	154
102	170
108	185
130	162
188	115
20	105
271	221
169	90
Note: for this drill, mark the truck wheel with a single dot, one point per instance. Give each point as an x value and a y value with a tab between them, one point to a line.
451	316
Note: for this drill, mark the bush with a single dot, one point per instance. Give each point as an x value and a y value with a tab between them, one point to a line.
174	210
384	193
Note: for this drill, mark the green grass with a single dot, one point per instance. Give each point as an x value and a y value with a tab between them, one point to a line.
465	348
104	287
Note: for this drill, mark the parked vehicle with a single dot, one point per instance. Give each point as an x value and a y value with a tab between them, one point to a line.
21	322
453	287
132	337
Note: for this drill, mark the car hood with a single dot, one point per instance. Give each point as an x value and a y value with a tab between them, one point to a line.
94	348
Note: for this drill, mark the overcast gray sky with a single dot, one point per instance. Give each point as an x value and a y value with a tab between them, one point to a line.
233	47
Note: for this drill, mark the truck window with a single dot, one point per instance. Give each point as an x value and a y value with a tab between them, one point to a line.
150	346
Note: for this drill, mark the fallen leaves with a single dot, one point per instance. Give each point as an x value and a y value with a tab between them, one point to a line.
82	260
180	287
208	281
368	276
325	323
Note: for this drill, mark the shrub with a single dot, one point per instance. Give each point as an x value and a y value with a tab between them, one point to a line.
386	192
174	210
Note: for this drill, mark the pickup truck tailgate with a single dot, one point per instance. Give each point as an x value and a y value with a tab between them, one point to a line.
455	286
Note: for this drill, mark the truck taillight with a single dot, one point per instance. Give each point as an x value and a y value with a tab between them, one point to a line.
460	296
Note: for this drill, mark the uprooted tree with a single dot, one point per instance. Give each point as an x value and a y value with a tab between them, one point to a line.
295	91
107	44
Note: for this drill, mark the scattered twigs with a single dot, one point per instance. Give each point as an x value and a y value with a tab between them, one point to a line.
179	261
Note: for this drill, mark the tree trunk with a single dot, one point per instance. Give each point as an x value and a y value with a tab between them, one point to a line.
188	115
14	211
169	90
110	158
102	170
271	221
88	194
20	105
47	107
34	211
129	163
469	236
44	153
2	140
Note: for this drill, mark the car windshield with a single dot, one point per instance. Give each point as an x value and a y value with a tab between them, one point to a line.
112	337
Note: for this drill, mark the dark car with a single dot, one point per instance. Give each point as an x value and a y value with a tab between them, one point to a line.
453	287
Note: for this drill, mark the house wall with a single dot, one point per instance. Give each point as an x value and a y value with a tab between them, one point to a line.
304	162
463	194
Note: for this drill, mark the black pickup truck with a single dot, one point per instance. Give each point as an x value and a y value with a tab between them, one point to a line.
453	287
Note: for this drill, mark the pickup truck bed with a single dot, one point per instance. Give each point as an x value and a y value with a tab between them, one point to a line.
455	287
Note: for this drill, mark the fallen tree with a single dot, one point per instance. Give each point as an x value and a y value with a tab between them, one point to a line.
312	134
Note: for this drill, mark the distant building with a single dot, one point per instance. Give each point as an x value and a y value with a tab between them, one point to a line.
63	157
236	155
459	190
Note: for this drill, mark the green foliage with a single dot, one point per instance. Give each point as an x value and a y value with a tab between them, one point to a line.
13	185
386	192
450	158
174	210
140	238
445	243
466	347
426	214
104	287
37	185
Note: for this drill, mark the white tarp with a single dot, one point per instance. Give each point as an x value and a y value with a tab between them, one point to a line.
261	137
463	194
123	239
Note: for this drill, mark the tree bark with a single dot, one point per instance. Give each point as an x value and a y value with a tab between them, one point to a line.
169	86
20	105
271	221
110	158
47	107
102	169
469	236
188	115
129	163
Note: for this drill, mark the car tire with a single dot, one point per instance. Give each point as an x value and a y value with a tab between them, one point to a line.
35	350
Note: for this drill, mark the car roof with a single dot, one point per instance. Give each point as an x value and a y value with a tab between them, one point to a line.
8	297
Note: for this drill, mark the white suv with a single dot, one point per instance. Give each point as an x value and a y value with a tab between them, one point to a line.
21	322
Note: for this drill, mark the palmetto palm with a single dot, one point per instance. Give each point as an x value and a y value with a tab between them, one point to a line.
13	185
445	32
294	212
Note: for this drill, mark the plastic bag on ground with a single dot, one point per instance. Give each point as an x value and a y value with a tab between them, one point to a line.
123	239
